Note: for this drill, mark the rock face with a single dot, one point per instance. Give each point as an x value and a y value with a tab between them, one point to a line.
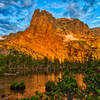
54	38
8	36
95	31
42	23
74	25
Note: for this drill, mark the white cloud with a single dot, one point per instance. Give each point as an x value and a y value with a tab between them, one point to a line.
95	21
2	5
55	5
98	17
98	3
15	15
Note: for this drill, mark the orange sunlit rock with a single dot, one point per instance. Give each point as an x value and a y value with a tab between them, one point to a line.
53	38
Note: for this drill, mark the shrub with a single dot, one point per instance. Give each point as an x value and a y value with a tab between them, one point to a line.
50	86
17	86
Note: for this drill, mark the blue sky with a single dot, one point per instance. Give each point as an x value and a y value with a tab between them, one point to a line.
15	15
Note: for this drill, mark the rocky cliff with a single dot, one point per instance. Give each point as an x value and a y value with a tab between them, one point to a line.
61	38
96	31
74	25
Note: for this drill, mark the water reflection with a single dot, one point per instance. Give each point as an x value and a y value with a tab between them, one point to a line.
33	83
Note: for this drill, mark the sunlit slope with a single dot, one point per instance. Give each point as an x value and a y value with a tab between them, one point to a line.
54	39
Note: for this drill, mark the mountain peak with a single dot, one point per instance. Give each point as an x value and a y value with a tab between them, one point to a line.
42	22
37	12
53	38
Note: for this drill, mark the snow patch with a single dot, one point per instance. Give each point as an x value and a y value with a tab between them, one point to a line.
70	37
1	38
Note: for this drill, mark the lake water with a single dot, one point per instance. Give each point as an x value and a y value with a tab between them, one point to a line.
35	82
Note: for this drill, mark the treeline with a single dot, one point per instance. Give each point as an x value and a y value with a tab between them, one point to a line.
17	60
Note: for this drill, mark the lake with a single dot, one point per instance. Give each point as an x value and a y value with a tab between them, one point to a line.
35	82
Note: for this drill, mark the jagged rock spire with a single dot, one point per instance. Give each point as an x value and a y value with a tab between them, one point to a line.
42	23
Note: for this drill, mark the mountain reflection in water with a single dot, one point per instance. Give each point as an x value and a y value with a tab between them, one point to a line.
33	83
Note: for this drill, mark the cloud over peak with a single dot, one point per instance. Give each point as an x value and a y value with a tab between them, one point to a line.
15	15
